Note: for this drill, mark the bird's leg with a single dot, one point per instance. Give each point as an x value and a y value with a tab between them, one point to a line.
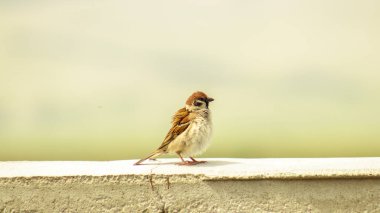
185	163
196	161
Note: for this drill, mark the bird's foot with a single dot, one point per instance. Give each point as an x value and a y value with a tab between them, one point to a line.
196	161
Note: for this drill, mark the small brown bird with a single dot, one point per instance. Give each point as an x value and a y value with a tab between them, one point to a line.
190	132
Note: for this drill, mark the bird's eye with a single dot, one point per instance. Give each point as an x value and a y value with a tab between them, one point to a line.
197	103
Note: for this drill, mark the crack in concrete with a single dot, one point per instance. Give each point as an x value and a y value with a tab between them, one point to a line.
157	192
161	198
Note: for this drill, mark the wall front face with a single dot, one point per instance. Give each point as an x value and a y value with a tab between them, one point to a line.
170	194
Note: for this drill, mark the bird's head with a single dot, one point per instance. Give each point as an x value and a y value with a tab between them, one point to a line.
198	101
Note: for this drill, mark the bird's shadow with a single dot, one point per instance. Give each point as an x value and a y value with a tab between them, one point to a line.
215	163
212	163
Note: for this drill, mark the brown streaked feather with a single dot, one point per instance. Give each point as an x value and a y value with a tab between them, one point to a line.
181	116
180	122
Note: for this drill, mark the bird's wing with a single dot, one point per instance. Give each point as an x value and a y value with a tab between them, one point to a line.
181	121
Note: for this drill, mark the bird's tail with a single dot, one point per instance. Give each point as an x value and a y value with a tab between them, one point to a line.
153	155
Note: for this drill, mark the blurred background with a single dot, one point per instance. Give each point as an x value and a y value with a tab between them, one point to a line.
85	80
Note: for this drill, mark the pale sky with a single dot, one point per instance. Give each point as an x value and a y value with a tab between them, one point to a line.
287	72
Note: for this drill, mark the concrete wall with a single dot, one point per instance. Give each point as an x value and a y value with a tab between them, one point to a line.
222	185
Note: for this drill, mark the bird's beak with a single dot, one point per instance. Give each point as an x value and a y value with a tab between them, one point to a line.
210	99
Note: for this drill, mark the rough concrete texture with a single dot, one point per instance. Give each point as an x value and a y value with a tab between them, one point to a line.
285	185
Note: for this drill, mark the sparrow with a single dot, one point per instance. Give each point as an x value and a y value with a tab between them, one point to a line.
190	132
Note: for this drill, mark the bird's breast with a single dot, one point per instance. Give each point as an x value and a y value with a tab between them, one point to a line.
197	138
